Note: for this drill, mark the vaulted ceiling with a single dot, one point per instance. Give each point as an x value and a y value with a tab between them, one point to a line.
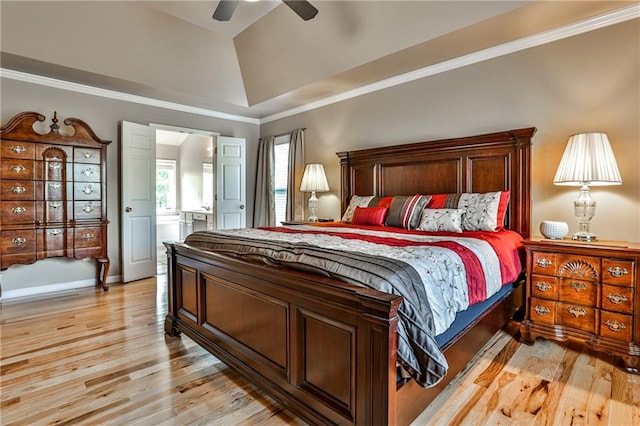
266	59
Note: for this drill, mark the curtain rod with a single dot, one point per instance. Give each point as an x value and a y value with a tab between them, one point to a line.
285	134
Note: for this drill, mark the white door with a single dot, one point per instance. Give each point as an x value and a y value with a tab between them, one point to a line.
230	183
138	196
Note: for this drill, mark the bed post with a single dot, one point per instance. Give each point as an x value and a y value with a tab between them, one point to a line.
171	321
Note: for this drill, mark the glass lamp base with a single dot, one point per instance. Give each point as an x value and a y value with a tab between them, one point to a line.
584	236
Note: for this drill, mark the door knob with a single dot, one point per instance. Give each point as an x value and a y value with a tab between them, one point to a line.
241	206
128	209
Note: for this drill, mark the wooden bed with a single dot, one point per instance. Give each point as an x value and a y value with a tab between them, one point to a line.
324	349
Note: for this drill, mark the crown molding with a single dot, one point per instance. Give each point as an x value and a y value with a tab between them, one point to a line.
591	24
121	96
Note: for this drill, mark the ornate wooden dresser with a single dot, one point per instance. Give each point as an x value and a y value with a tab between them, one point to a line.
585	291
52	193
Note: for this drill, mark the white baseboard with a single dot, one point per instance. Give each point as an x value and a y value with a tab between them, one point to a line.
43	289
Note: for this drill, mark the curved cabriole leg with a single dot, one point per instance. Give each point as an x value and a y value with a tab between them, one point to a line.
103	272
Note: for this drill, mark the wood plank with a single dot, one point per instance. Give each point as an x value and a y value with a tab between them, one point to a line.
88	357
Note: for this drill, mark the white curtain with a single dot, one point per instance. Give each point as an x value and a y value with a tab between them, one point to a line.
295	198
264	209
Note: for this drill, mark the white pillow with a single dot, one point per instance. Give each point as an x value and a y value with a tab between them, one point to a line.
480	211
356	201
449	220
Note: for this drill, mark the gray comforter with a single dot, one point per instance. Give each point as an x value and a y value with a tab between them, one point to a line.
418	352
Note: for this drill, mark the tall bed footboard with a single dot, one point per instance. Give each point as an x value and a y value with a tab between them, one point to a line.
324	349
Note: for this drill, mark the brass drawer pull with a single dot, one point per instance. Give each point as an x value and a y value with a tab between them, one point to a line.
542	310
55	185
576	312
544	262
54	166
88	208
615	325
618	271
19	168
88	171
87	154
617	298
543	286
19	241
18	210
577	286
54	232
18	149
18	189
88	236
55	204
88	189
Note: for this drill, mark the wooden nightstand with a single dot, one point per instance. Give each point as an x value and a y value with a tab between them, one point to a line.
585	291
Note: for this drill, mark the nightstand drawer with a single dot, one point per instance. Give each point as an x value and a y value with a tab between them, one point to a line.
616	326
544	286
578	291
617	299
544	263
576	316
618	272
579	267
542	311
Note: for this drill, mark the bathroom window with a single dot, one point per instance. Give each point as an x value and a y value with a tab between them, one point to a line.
166	186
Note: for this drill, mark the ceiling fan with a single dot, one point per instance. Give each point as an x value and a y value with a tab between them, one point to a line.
302	8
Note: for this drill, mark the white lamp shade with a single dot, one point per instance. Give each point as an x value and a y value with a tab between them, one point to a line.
588	160
314	179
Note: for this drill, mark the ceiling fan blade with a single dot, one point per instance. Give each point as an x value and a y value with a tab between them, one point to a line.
304	9
225	10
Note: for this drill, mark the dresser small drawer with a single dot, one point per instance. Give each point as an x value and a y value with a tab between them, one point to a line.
20	241
17	169
87	237
616	326
578	291
53	210
52	239
14	212
545	287
544	263
618	272
617	299
16	149
86	191
86	155
86	172
579	267
543	311
17	190
576	316
83	210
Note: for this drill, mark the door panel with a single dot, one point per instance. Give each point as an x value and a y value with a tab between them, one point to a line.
138	215
231	183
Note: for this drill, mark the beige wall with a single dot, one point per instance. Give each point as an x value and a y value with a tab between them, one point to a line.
587	82
104	116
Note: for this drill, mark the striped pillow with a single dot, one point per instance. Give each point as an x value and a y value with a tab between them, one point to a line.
406	211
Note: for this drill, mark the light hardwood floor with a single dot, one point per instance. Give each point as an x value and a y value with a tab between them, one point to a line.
88	357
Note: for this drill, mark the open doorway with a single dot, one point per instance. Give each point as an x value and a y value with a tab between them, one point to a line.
184	185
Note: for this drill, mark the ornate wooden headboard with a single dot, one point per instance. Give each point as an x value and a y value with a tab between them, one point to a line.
484	163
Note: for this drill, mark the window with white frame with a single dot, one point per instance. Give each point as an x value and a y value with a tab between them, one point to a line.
166	183
281	173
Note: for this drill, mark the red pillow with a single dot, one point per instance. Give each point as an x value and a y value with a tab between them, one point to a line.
369	216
